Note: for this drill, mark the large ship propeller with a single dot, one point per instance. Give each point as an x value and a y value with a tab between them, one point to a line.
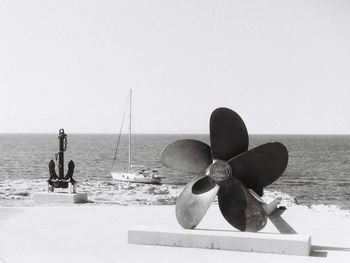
227	169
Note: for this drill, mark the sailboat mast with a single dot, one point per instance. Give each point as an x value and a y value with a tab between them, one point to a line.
130	94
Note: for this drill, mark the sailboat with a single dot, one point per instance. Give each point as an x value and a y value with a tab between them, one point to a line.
135	173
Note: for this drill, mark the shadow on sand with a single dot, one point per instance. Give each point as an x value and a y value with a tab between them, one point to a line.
322	251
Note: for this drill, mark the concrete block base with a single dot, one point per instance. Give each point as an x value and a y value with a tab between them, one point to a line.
60	198
295	244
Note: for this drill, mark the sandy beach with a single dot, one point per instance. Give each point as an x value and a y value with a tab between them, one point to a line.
83	233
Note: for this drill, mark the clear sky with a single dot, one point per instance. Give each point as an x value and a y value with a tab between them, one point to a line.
283	65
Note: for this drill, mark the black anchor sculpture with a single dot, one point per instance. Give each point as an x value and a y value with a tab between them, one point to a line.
228	170
61	181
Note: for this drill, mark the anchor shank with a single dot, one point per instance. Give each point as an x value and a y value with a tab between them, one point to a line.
62	147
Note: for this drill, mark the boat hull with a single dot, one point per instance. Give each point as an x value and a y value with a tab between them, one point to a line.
135	178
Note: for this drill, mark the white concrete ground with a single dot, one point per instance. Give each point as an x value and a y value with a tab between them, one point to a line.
86	233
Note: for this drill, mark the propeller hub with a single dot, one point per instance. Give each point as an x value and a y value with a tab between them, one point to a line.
219	171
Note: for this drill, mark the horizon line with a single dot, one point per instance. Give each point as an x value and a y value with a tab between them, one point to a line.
158	133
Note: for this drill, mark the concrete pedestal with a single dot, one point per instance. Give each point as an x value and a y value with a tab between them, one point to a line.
60	198
295	244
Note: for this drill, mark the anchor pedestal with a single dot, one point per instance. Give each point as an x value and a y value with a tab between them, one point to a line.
61	181
60	198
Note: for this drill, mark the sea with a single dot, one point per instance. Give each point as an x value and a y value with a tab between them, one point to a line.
317	175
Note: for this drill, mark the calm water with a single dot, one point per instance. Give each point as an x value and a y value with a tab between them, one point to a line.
318	171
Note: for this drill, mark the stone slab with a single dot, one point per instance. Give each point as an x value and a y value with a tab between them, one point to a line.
59	198
295	244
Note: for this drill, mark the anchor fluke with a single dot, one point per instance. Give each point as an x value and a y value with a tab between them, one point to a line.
70	172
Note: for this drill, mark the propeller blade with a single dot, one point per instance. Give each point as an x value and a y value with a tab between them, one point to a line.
240	208
228	134
189	156
194	201
260	166
203	185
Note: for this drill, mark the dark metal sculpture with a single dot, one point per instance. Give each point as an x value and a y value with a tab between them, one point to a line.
228	170
61	181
